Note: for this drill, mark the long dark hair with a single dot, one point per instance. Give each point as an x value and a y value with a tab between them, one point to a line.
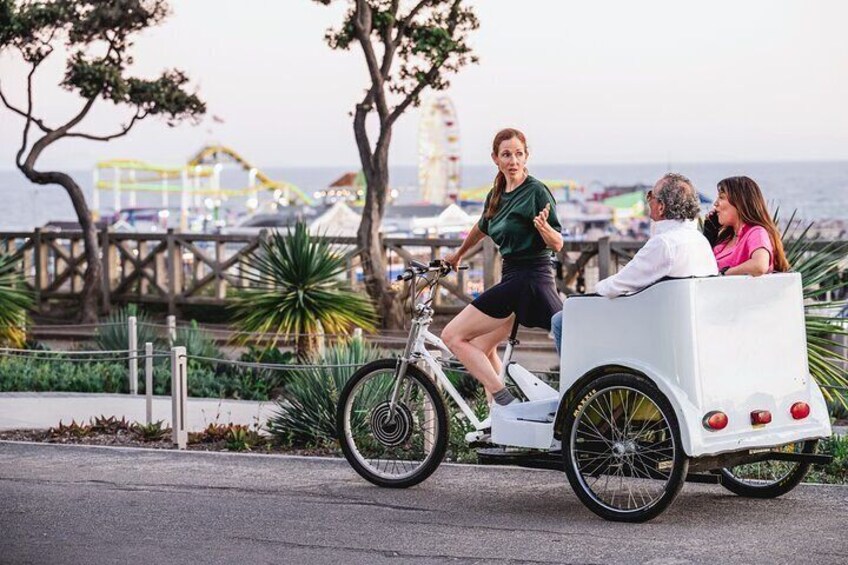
500	180
745	195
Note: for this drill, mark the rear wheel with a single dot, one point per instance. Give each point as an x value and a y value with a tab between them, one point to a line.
770	478
392	447
622	450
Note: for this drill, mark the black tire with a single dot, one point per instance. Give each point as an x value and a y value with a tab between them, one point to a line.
374	438
770	478
622	428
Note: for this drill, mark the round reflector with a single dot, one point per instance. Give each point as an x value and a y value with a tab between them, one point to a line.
715	420
800	410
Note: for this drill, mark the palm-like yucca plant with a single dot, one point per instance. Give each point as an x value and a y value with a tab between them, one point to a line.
819	267
299	291
14	302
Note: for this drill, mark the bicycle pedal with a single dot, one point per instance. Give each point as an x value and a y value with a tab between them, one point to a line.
479	436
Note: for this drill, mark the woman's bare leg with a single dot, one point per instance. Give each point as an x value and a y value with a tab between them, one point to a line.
488	343
459	336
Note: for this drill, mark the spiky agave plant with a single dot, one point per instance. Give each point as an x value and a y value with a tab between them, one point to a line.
819	265
307	412
299	291
14	302
113	333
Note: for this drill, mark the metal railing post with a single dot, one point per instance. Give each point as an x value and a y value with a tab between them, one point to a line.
132	346
179	385
148	382
172	330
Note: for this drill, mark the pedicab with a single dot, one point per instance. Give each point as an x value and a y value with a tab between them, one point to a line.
700	379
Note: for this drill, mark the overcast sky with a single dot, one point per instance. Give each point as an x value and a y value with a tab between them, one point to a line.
589	82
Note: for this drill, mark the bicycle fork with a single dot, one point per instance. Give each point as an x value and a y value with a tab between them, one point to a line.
403	363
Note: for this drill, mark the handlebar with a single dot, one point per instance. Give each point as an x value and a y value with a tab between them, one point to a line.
416	269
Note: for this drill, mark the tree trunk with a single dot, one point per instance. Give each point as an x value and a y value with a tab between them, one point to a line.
92	289
385	298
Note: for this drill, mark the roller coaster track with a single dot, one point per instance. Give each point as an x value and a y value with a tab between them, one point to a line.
212	154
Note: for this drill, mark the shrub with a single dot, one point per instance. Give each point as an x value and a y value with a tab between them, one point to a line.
306	415
14	301
113	335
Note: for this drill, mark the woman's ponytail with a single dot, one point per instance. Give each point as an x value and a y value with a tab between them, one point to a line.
495	199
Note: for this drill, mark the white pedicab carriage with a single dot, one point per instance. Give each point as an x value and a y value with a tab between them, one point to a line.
703	379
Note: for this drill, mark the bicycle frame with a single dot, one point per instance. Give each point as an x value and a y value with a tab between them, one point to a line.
416	351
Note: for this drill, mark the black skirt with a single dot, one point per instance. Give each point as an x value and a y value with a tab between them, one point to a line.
528	290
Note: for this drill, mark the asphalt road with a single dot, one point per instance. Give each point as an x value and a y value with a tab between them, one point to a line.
68	505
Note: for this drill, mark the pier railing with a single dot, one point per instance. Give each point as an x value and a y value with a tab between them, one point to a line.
176	269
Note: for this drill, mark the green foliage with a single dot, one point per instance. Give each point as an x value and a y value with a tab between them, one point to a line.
114	334
307	413
835	472
819	267
61	375
430	41
242	438
458	449
154	431
197	342
14	302
97	37
235	437
299	290
466	385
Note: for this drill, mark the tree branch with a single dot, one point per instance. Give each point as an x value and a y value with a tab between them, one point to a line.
390	46
78	118
431	74
18	111
410	98
362	26
25	136
124	131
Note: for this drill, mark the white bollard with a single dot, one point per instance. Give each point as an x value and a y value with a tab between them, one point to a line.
179	386
357	333
132	326
148	381
172	330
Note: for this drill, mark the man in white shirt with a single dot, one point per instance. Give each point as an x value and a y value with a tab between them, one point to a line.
676	248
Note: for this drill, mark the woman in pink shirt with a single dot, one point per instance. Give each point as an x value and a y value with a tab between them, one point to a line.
748	242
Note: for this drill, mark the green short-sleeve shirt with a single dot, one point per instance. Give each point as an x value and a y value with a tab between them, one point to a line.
511	228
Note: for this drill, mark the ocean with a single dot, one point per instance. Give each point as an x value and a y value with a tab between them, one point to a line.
817	190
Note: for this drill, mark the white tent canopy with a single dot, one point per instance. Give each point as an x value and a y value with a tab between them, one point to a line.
339	220
452	218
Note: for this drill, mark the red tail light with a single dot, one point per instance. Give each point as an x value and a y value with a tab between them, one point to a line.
800	410
715	420
760	417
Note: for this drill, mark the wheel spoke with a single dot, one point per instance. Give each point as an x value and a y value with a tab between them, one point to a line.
617	465
390	444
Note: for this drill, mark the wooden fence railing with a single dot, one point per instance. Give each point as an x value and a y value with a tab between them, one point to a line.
175	269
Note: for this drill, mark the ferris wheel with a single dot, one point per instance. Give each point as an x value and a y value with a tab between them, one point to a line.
438	151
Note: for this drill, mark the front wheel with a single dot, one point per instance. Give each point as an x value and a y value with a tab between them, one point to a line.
622	449
770	478
392	447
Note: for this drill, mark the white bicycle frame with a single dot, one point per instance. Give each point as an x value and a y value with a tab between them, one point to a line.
416	351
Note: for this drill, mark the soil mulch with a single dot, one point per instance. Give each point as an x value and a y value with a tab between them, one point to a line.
125	438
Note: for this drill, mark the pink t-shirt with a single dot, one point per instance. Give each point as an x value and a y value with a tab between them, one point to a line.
750	239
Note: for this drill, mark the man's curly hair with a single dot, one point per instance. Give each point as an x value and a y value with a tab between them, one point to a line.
679	196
